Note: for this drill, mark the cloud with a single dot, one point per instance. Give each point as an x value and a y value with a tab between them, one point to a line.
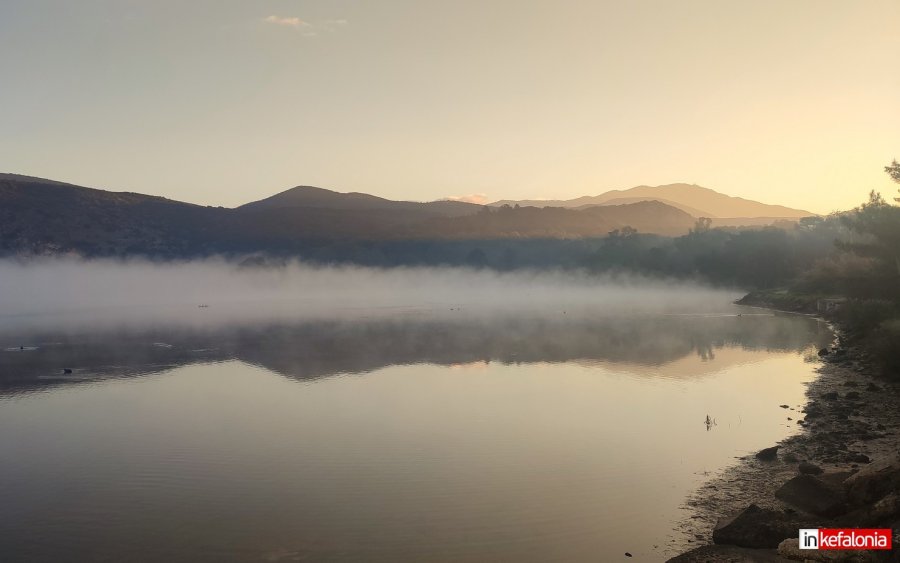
289	21
308	29
480	199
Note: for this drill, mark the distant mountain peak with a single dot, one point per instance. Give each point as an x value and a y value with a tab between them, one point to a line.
321	198
313	196
694	199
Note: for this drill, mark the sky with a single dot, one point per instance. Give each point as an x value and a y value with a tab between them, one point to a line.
221	102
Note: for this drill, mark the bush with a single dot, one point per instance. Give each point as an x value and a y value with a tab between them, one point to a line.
863	318
885	347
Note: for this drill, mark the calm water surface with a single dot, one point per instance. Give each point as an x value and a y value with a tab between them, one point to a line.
394	437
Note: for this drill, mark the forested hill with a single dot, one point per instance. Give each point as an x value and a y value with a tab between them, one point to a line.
40	216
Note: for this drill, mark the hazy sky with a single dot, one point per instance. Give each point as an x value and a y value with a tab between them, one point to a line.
225	101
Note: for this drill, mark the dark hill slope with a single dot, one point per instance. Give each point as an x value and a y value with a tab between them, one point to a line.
45	217
310	196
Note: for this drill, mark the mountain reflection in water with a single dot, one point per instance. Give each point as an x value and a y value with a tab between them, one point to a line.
400	434
644	344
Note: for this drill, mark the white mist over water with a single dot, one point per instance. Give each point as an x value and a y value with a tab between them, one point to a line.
545	415
134	291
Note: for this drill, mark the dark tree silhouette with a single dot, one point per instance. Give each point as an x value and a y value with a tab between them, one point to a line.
893	171
702	225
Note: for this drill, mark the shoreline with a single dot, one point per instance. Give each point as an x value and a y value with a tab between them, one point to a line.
850	429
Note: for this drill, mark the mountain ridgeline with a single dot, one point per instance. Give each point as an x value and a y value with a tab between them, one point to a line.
45	217
692	199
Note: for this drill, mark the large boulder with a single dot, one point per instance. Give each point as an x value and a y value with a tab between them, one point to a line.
755	527
768	454
814	496
878	515
874	481
808	468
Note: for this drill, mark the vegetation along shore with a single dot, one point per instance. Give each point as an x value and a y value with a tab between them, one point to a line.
843	469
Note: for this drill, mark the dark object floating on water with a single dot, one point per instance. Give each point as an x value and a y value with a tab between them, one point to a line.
627	554
767	454
20	349
67	370
785	406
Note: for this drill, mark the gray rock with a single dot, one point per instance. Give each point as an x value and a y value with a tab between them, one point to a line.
755	527
856	457
813	495
808	468
878	515
768	454
874	481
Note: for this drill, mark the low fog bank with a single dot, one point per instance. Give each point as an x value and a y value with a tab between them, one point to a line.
75	291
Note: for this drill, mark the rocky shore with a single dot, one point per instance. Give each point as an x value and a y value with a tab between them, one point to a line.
841	471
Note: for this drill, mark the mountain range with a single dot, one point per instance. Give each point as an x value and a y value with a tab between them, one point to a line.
39	216
695	200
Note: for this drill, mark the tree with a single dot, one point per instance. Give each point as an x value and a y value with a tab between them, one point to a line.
625	232
893	170
879	223
810	223
628	231
702	225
